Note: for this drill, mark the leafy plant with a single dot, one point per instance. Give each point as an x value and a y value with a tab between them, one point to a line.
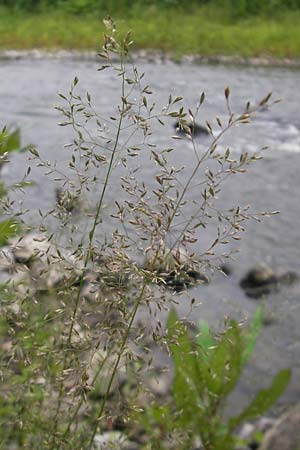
10	141
206	370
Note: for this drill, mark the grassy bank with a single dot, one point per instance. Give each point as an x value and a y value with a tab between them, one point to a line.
206	32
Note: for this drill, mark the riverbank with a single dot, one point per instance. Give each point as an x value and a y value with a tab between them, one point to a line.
206	32
148	55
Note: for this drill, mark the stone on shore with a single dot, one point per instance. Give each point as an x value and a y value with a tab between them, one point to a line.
7	259
29	247
113	440
285	433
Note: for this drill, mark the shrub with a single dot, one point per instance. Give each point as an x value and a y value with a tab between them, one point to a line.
206	370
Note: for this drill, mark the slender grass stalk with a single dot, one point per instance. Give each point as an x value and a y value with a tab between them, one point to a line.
215	141
116	365
140	297
87	257
80	402
195	171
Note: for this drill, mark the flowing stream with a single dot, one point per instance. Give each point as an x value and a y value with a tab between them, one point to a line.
28	91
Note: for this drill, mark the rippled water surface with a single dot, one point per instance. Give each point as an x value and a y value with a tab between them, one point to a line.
28	90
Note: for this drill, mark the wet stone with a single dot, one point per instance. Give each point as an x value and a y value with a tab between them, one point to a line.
285	433
195	129
175	270
181	279
262	280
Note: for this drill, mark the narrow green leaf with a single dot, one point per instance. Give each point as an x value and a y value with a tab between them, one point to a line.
8	229
187	383
250	338
205	339
10	141
264	399
225	361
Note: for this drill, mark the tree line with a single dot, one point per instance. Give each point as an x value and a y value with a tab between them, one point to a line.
238	7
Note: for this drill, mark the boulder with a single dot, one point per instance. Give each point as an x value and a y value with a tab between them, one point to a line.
175	270
259	281
48	266
262	280
195	129
7	260
29	247
113	440
181	279
285	433
99	373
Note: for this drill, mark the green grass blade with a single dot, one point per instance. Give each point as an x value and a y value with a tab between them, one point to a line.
253	333
8	229
264	399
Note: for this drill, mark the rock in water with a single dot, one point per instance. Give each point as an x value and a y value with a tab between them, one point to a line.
175	270
258	276
288	278
285	434
195	128
182	278
262	280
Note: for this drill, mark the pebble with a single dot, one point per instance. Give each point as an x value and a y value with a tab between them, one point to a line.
285	433
113	440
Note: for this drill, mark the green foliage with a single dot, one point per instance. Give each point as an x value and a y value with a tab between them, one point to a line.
9	142
24	346
206	30
235	7
206	370
8	228
244	8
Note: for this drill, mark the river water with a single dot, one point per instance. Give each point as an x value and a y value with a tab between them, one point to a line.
28	91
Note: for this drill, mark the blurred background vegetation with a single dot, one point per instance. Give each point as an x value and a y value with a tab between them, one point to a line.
246	28
234	7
